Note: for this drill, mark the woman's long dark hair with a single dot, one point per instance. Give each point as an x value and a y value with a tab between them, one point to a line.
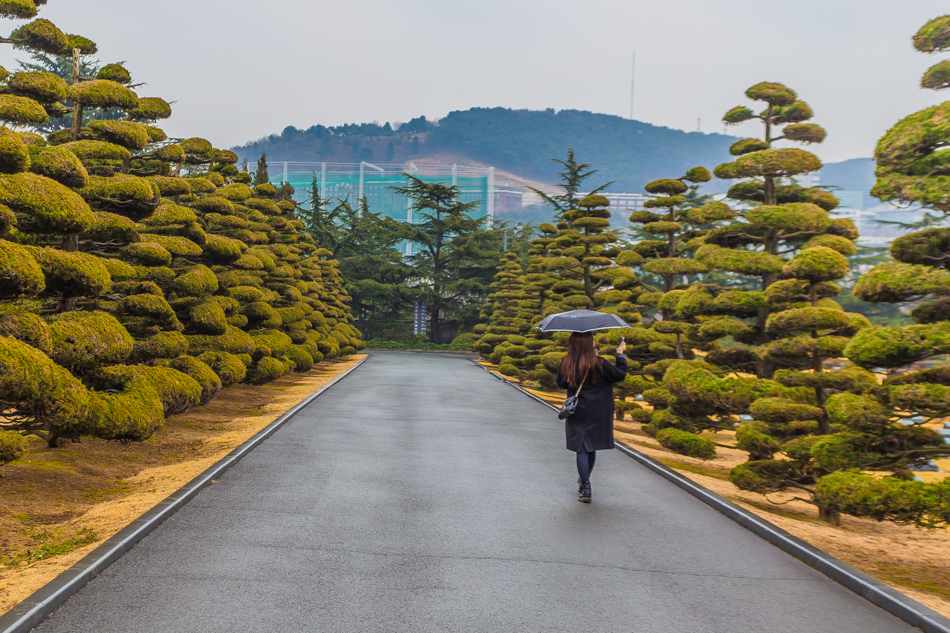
581	359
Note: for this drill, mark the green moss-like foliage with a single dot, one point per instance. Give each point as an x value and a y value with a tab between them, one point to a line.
20	274
896	346
301	359
24	326
101	93
177	246
214	204
933	36
170	186
177	391
229	368
773	163
72	274
686	443
44	87
120	189
754	439
85	45
169	213
16	110
897	281
197	146
153	308
88	150
196	281
235	192
128	134
46	205
14	154
817	264
782	411
161	345
763	476
61	165
41	35
224	249
202	374
265	190
110	227
928	247
207	317
233	341
742	262
36	387
272	342
147	254
890	498
12	446
22	9
266	370
116	73
82	341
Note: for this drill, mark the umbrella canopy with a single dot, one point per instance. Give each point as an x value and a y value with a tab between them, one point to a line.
580	321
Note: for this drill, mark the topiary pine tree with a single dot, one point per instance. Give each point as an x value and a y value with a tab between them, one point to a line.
670	258
756	244
503	341
910	169
117	302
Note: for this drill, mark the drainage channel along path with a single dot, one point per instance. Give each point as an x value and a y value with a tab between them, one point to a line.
422	494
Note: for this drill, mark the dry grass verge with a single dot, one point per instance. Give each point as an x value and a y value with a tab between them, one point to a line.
913	561
57	505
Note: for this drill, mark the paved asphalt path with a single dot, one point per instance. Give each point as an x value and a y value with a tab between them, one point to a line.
421	494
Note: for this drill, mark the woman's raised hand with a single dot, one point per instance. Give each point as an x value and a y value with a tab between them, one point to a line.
622	347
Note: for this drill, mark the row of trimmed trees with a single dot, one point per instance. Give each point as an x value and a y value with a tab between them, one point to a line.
138	274
736	326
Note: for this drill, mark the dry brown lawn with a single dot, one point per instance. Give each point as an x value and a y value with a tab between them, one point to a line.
57	505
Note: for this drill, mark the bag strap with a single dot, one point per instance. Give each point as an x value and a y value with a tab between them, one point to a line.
582	383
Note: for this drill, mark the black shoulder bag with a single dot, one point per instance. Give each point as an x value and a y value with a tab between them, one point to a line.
570	404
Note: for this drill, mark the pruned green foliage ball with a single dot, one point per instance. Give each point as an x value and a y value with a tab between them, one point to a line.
202	374
46	205
229	368
14	154
687	443
61	165
102	93
20	274
72	274
81	341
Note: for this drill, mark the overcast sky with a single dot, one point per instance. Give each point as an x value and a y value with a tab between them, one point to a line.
242	69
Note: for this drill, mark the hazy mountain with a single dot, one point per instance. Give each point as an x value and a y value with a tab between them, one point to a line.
523	142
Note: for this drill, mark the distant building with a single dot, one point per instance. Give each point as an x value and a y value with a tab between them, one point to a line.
509	200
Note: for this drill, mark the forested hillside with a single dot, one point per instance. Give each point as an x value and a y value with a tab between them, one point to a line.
518	141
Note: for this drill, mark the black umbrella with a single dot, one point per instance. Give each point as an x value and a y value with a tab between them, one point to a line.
581	321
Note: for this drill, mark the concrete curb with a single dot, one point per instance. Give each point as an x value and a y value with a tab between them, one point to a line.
871	589
38	606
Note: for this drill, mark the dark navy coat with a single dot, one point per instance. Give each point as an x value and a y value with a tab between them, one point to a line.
591	428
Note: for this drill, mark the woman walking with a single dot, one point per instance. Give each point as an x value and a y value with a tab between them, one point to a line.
591	427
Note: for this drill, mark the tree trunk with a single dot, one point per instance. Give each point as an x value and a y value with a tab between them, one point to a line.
77	108
829	515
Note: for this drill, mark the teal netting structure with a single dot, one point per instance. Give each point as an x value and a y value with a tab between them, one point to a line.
354	180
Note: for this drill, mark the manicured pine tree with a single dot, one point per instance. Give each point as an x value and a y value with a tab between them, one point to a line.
909	171
674	227
504	339
756	245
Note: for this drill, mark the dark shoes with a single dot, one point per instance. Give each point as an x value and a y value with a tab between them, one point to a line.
583	493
